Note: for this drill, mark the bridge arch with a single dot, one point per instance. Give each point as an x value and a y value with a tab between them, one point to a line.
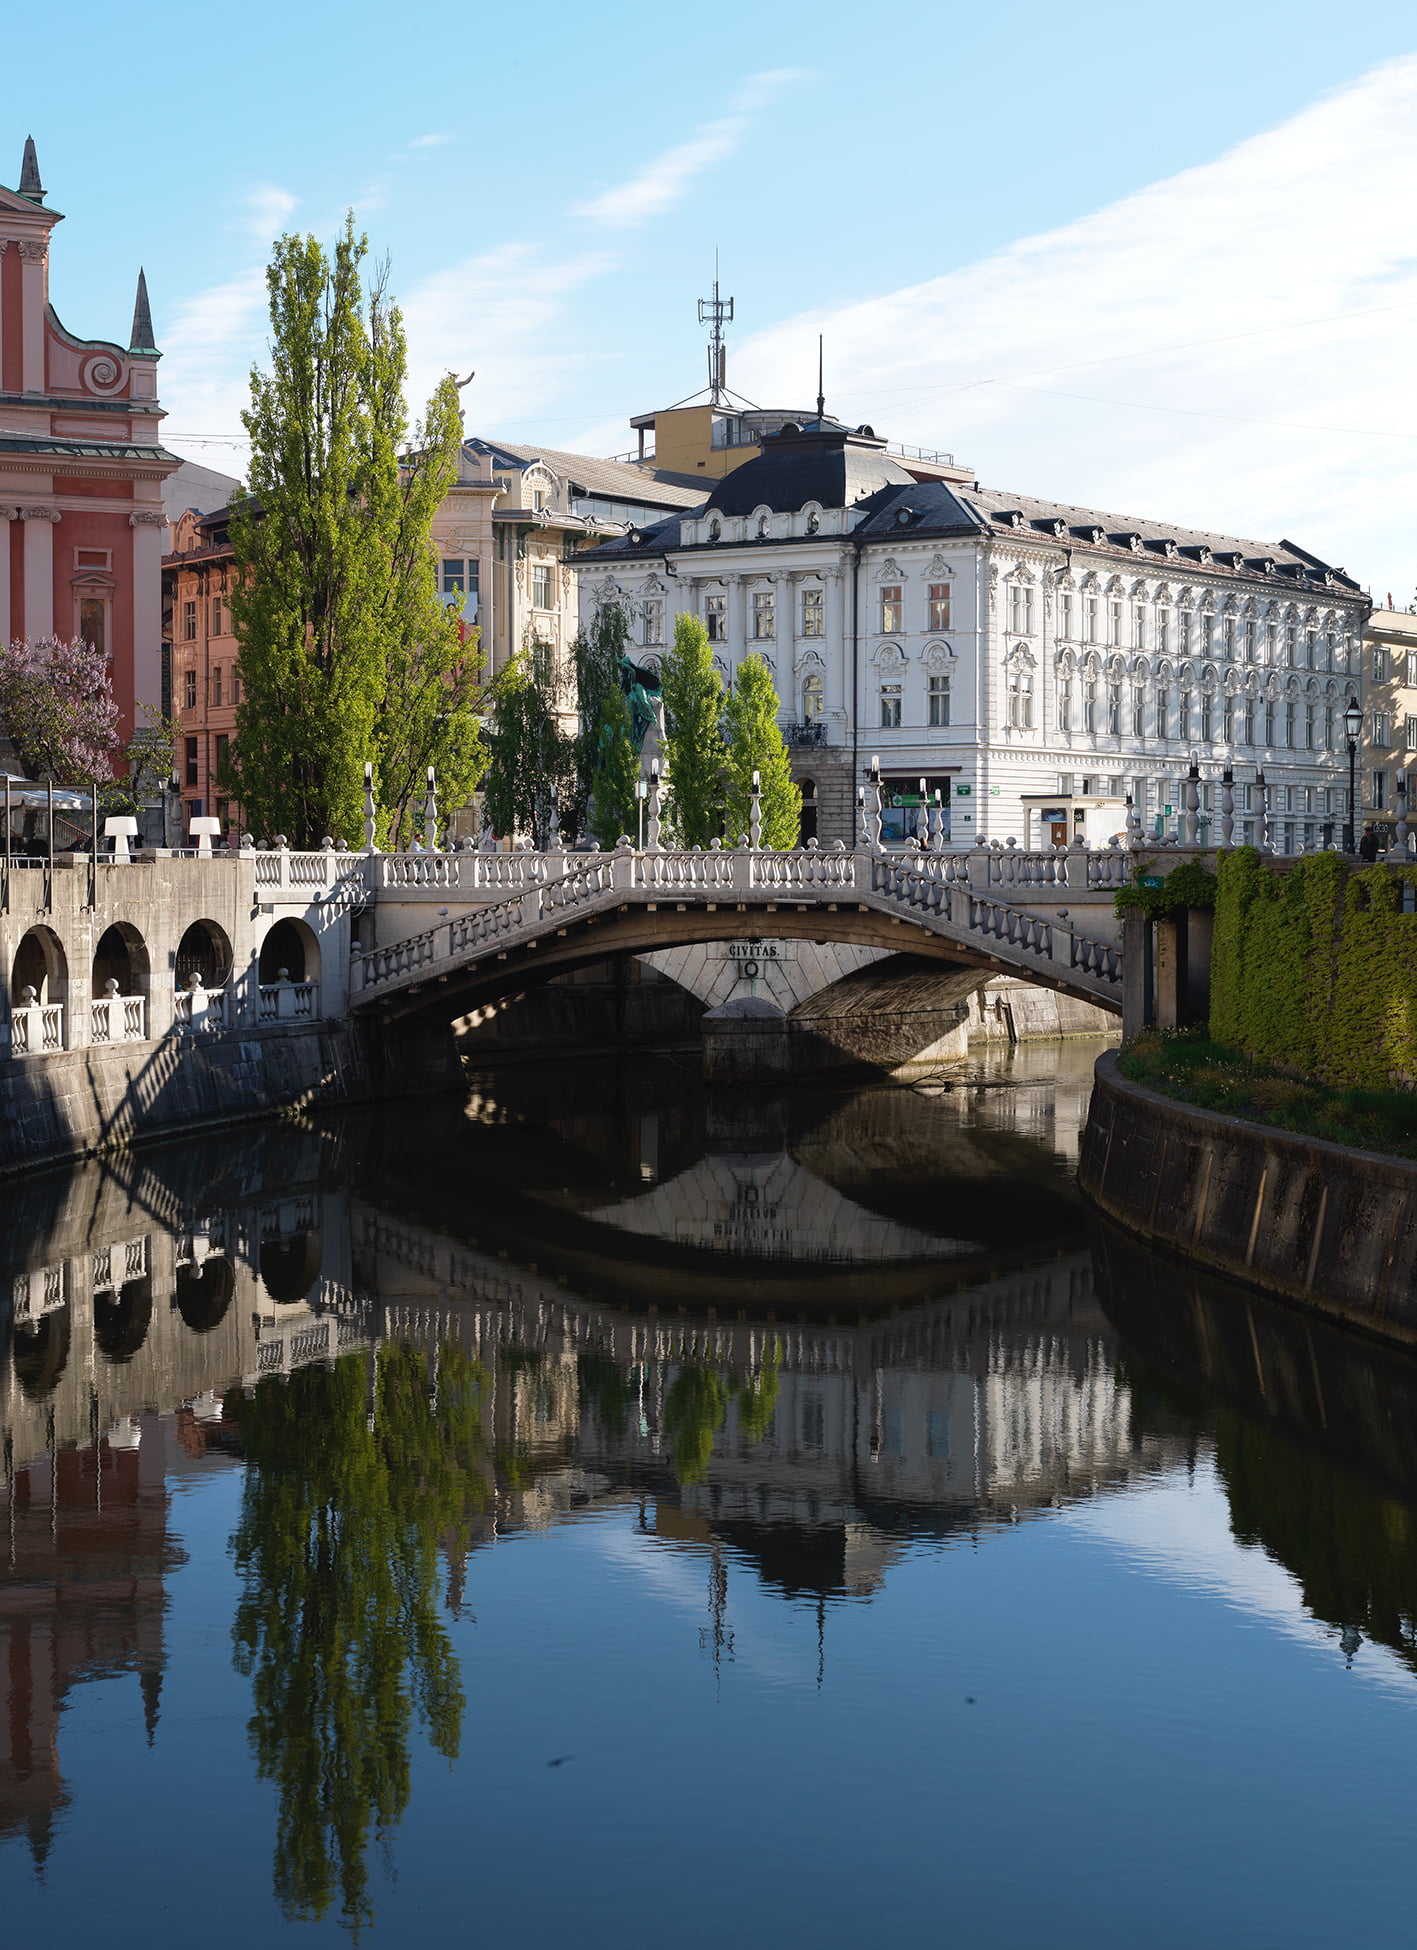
204	1293
40	964
290	944
40	1353
204	950
121	1319
122	957
290	1267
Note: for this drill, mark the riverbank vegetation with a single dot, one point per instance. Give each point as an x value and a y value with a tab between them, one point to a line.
1188	1066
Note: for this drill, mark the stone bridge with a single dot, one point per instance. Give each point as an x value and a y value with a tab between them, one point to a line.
505	920
176	989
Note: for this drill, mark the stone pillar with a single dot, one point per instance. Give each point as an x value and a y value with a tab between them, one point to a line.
1171	943
147	607
38	617
33	256
7	515
1136	973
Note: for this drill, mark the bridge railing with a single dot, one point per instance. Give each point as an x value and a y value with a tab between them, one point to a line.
118	1019
36	1029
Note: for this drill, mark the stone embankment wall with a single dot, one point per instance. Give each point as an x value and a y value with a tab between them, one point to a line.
1317	1223
87	1100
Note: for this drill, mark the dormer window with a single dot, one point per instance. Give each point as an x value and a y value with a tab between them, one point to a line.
715	530
762	528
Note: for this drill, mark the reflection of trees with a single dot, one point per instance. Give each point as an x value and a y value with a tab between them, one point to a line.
1350	1547
345	1506
696	1404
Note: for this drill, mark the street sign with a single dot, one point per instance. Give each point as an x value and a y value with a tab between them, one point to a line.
963	791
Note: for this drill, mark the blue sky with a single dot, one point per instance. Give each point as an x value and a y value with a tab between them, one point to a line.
1159	263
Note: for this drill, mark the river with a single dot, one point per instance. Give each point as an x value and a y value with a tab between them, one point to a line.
609	1511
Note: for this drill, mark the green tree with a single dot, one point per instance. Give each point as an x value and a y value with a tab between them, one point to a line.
342	1518
755	745
614	809
693	735
346	653
598	653
531	757
694	1409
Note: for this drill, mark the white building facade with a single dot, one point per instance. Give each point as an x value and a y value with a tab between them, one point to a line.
1036	664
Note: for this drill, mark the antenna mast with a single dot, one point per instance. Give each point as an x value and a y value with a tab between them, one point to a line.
821	395
715	312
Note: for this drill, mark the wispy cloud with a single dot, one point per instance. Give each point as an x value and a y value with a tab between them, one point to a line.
1230	347
430	141
265	210
670	175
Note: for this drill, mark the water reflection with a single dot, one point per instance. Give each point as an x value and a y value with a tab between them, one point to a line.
418	1335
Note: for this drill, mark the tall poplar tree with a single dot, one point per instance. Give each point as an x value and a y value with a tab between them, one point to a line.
531	757
614	807
346	653
755	745
693	735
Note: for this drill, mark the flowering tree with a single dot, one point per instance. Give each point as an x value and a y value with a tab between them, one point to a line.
57	709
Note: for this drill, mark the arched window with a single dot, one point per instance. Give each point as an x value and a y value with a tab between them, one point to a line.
813	698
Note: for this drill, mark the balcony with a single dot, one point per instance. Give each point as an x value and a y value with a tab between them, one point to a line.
797	735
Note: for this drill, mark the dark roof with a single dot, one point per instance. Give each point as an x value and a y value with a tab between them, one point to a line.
614	479
83	449
822	461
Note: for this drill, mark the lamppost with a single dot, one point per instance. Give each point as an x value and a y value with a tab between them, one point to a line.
1352	725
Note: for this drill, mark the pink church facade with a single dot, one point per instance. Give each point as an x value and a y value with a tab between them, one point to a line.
82	529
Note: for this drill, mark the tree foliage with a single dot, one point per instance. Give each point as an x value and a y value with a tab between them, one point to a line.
614	807
598	653
58	710
531	757
337	1547
693	736
346	653
755	745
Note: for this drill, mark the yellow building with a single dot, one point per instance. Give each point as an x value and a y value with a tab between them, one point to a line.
1389	744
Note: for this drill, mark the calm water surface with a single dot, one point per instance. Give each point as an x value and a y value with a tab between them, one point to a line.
608	1513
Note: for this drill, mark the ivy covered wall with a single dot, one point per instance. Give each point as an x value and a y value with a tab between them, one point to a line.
1315	968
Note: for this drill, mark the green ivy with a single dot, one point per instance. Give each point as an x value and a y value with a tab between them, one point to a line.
1314	969
1189	885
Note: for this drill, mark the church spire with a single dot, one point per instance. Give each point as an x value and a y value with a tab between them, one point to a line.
141	339
30	184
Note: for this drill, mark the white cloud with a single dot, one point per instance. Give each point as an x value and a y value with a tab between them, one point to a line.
267	207
1230	348
430	141
209	348
669	176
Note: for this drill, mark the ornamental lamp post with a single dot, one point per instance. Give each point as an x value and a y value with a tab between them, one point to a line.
1352	725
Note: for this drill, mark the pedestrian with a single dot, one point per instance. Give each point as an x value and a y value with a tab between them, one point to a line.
1368	845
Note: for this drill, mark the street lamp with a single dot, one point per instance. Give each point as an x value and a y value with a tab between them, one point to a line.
1352	725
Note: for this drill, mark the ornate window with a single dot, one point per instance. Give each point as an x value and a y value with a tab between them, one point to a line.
890	707
93	620
1207	717
542	575
1021	608
1089	619
1065	703
652	621
764	627
892	608
1163	712
189	622
937	698
1114	710
813	698
716	618
189	690
939	605
814	621
1021	701
1139	626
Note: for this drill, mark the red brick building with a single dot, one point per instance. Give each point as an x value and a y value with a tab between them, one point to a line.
81	466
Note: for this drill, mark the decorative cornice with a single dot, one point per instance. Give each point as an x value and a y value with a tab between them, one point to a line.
34	249
9	514
147	519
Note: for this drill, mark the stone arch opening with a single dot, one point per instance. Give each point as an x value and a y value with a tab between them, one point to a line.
40	1353
121	1319
808	827
290	1267
290	947
122	957
203	950
40	964
204	1293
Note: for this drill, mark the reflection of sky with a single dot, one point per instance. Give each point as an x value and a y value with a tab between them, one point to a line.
1153	1754
767	1205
